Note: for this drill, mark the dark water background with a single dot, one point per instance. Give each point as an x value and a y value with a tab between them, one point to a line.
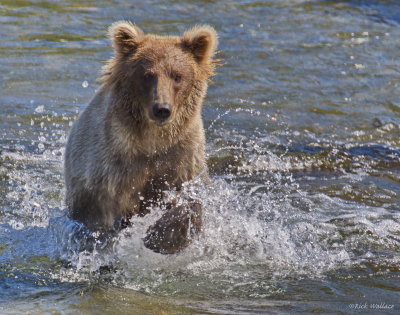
303	143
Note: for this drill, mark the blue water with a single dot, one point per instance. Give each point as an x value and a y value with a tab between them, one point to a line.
303	147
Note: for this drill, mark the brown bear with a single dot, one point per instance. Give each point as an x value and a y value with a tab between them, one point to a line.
142	134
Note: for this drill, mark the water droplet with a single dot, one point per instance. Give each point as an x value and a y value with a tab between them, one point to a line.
39	109
359	40
85	84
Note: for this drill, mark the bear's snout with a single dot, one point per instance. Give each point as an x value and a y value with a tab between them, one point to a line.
162	111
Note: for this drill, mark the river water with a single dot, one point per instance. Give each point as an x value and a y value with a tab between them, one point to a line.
303	144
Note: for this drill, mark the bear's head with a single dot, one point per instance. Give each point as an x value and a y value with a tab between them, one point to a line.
164	78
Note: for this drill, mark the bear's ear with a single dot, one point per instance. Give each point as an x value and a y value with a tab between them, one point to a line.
125	37
201	41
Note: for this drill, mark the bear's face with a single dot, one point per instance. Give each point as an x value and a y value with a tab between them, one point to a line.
163	77
160	71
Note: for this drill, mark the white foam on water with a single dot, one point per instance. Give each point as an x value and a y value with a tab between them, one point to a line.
245	235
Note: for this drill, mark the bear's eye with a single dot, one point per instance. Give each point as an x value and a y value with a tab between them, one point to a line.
177	78
148	76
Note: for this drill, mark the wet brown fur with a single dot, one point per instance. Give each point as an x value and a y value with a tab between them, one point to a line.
119	157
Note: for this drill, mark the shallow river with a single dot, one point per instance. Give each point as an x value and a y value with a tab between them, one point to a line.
303	144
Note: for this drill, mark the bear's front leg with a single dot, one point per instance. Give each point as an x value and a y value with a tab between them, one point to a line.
175	229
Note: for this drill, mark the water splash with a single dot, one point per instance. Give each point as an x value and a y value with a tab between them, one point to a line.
260	225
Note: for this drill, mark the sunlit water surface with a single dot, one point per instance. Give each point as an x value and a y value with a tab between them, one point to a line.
303	145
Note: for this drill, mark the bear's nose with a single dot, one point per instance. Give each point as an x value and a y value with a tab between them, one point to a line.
162	110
